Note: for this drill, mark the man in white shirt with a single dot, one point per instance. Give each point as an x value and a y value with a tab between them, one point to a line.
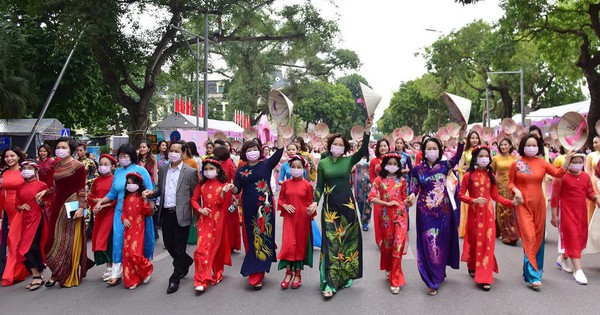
176	184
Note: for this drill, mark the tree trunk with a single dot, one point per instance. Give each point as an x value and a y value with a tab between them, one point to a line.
507	101
593	81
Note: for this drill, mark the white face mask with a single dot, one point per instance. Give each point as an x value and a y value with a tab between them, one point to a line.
297	172
103	169
432	155
337	150
62	153
483	162
575	167
392	169
27	173
174	157
253	156
125	162
210	174
531	151
132	187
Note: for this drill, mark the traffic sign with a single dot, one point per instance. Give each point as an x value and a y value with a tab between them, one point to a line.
175	136
65	133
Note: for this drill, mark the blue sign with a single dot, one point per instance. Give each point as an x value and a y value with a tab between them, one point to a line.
65	133
175	136
4	143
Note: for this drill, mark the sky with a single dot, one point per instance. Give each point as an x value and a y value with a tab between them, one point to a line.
386	34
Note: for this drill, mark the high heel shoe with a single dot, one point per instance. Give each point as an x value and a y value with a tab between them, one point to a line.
298	275
113	282
285	284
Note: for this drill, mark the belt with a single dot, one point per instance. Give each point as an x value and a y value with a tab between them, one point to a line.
170	210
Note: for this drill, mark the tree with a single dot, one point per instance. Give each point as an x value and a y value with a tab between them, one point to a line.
570	35
351	82
320	101
16	94
463	58
131	59
417	104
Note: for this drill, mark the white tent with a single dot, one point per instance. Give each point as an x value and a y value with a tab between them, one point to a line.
557	111
181	121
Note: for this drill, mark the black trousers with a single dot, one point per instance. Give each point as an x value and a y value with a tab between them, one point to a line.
33	258
175	239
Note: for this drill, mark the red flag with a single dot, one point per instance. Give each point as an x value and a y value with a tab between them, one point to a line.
179	104
201	110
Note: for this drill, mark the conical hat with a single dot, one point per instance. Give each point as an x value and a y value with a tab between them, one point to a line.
553	131
370	98
321	130
453	129
357	132
451	142
487	134
442	133
396	133
478	129
280	108
287	132
220	135
460	107
406	133
417	139
508	125
597	126
250	133
305	136
236	144
572	131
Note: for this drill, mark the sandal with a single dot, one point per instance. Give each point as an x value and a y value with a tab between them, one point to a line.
113	282
258	287
327	294
472	273
431	291
297	276
486	287
50	283
288	275
34	286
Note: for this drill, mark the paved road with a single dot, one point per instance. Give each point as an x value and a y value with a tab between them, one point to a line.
369	295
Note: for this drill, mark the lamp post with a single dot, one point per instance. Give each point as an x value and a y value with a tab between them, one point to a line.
522	91
204	70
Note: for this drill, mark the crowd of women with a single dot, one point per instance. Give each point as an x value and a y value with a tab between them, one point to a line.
470	189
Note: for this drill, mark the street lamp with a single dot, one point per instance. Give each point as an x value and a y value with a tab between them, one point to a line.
204	70
520	72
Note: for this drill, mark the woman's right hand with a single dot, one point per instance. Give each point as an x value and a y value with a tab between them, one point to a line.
313	207
518	195
554	221
97	207
289	208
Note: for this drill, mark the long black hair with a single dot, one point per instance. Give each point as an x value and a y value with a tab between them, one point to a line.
220	172
384	173
488	168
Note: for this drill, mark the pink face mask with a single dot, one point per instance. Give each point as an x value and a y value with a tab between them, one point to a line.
337	150
575	167
297	172
432	155
531	151
253	156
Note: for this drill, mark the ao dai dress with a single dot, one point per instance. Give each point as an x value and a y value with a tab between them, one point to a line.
14	271
394	226
437	235
341	251
480	230
213	251
103	220
296	246
136	267
505	216
527	174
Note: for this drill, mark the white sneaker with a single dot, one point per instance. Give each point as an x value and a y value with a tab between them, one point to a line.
563	264
579	276
200	288
395	290
106	274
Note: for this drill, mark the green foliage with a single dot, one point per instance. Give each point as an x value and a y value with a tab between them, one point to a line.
417	104
463	58
351	82
16	88
330	103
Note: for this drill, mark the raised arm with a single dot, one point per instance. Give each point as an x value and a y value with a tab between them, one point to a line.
457	156
362	151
